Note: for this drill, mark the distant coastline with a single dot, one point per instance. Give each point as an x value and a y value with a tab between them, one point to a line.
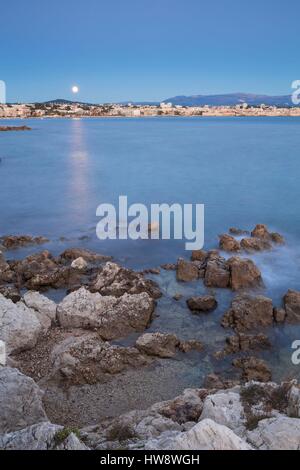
80	110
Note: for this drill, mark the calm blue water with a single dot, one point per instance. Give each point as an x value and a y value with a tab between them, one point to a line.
245	171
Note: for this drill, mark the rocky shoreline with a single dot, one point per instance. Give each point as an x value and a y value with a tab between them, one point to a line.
96	336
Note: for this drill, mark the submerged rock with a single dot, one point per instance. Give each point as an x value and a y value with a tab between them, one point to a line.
203	303
15	241
114	317
158	344
255	244
243	342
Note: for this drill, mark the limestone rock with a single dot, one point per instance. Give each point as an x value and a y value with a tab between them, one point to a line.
158	344
19	326
44	436
114	317
116	280
44	308
278	433
20	401
79	263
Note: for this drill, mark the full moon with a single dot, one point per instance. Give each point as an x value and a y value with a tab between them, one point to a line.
75	89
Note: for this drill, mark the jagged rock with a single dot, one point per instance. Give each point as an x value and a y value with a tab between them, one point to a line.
189	345
248	312
243	273
229	243
278	433
114	317
277	238
89	359
44	436
199	255
217	272
203	303
238	231
44	308
158	344
115	280
225	408
253	369
15	241
279	315
20	401
168	266
255	244
79	263
6	275
293	406
42	270
186	271
206	435
292	306
10	292
243	342
261	231
72	254
19	326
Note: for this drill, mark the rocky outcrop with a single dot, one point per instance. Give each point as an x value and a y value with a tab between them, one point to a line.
114	317
217	272
199	255
261	231
255	244
292	306
206	435
20	401
187	270
116	280
278	433
242	342
44	436
243	273
253	369
11	242
158	344
249	312
229	243
44	308
10	292
19	326
203	303
89	359
71	254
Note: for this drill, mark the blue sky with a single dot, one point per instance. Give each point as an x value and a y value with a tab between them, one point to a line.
118	50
